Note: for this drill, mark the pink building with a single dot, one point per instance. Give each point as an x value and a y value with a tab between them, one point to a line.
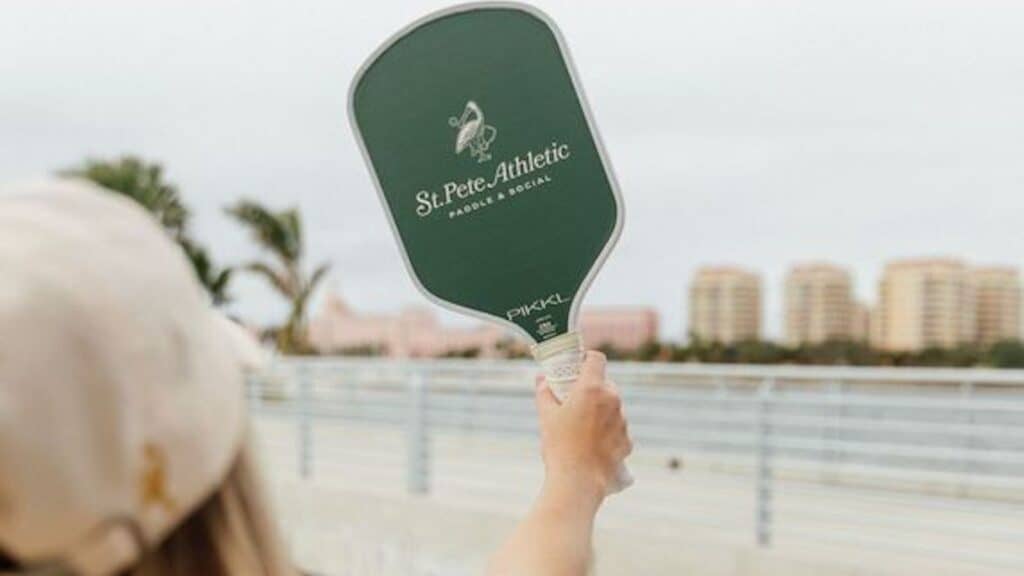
625	328
416	332
412	333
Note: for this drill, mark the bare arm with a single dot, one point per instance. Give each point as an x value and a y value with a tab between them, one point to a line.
584	442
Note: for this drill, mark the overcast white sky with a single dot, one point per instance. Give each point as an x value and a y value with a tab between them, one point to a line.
754	133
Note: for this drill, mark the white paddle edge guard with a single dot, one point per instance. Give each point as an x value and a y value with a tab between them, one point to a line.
560	359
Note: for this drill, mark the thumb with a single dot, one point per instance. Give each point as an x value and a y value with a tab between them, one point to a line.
546	400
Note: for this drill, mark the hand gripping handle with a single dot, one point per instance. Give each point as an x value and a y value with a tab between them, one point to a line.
560	358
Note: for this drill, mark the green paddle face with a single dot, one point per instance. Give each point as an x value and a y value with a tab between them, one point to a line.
488	164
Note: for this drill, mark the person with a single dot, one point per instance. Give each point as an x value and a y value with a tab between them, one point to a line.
124	442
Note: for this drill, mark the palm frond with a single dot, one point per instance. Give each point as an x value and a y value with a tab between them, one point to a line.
314	280
214	279
218	287
293	223
277	279
271	230
317	276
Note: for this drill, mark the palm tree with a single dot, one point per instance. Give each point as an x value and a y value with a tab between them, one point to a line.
144	183
280	234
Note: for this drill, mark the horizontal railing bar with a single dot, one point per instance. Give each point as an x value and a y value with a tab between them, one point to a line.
902	450
638	401
783	513
691	435
875	472
747	371
1002	560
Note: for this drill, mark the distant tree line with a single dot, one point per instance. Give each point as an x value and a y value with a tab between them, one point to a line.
1005	354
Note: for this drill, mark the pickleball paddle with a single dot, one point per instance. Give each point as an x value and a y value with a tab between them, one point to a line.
491	172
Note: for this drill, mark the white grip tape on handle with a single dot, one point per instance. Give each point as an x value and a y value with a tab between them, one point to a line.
561	358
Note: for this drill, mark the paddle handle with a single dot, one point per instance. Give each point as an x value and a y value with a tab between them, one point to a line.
561	358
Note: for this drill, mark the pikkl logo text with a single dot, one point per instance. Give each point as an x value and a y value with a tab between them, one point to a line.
539	305
506	172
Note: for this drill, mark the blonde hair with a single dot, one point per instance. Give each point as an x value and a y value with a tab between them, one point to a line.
231	534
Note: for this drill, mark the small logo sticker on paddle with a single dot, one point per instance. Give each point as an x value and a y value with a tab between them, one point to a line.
473	133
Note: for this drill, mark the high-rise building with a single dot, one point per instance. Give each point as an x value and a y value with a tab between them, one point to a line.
725	305
819	304
997	312
861	324
924	303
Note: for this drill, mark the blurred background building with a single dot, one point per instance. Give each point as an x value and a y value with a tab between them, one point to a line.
926	303
997	313
725	305
861	323
416	332
412	333
820	305
619	328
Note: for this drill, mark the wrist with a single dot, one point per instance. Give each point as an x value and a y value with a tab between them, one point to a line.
576	491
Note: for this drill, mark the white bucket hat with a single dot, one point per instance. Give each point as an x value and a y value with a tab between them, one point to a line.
121	391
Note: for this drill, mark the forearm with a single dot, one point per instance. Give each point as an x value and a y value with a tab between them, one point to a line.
584	440
555	537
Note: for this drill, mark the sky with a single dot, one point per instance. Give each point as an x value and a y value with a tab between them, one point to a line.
759	134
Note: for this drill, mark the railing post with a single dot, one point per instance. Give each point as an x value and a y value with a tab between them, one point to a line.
765	472
833	435
305	417
417	437
967	449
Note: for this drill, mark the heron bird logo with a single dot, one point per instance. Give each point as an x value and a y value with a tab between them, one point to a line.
473	133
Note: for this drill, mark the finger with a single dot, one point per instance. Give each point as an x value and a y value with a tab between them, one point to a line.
627	448
545	398
624	444
592	371
613	387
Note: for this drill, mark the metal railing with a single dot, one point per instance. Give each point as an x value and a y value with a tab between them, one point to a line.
847	455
